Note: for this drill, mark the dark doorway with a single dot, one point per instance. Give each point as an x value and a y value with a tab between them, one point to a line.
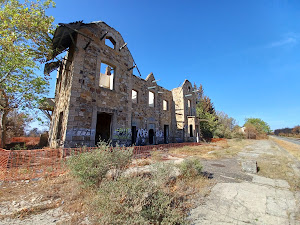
166	134
151	136
59	126
183	135
191	131
133	135
103	127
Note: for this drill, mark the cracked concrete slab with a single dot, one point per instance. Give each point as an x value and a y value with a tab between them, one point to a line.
247	203
254	200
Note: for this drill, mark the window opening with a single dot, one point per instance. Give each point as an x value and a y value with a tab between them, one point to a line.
134	96
151	99
110	42
189	103
165	105
106	76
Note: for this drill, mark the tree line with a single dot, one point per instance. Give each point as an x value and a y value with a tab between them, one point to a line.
288	132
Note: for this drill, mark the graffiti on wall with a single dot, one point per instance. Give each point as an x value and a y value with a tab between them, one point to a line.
142	133
142	136
79	132
122	134
159	133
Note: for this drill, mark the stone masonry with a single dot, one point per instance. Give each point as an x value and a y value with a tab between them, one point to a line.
98	97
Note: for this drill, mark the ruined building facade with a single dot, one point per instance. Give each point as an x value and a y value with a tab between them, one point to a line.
97	95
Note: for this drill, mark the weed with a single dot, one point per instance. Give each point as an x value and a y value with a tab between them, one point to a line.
19	147
164	174
136	201
190	167
91	167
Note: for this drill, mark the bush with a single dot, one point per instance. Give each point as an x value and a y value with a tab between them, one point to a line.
164	173
91	167
190	167
136	201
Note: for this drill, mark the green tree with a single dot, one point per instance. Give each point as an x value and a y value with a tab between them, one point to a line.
261	126
208	120
25	40
225	125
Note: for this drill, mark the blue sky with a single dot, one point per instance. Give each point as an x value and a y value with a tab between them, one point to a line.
246	54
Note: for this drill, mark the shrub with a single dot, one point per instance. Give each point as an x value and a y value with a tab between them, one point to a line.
135	201
164	173
19	147
91	167
190	167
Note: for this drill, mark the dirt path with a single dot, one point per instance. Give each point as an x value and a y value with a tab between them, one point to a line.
244	198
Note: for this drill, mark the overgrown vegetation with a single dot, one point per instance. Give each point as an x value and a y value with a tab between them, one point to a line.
91	167
256	128
151	198
136	200
190	167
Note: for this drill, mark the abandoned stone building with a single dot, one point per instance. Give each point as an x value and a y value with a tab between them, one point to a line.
98	96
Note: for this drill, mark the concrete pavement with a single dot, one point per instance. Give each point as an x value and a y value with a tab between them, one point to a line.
258	200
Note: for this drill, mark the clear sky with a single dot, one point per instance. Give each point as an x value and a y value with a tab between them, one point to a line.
246	54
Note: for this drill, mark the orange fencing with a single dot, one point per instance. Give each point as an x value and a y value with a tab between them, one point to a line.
33	164
217	139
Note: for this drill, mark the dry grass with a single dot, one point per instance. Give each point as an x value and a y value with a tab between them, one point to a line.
141	162
292	148
158	155
221	149
278	167
189	187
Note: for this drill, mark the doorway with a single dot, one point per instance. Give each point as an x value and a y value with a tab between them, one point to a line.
133	135
166	134
103	130
191	131
151	136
